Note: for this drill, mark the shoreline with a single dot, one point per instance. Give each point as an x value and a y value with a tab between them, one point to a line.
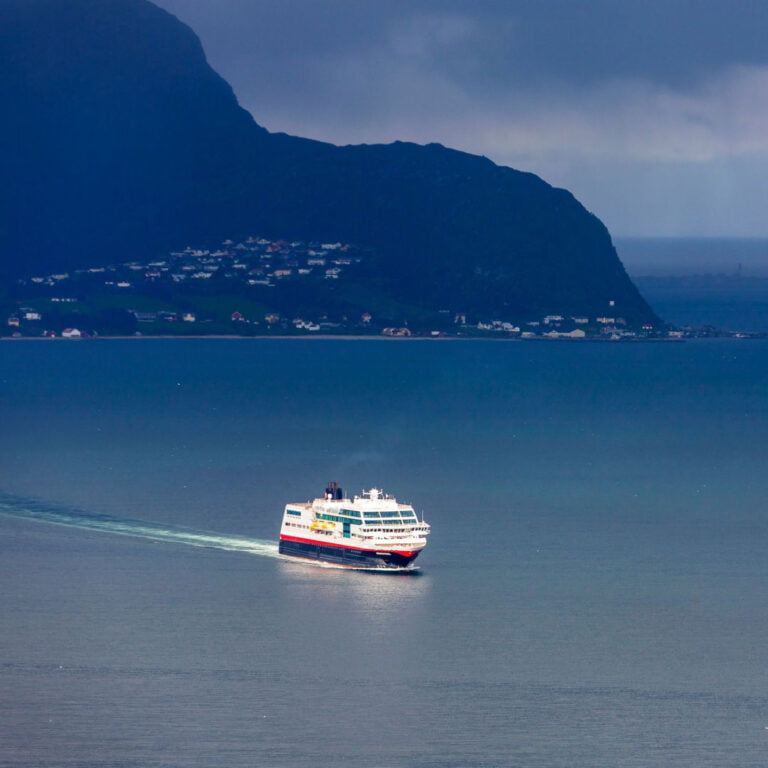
317	337
353	337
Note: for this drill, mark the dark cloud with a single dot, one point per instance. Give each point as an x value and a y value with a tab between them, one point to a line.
667	41
616	99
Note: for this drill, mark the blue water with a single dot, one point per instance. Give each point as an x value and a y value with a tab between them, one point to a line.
593	593
727	303
695	281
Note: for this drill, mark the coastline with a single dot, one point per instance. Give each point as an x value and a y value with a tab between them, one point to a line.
352	337
284	337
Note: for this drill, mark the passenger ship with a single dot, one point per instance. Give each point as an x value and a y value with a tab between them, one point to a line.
369	531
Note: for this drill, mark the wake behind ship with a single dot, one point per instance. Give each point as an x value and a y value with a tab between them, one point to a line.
369	531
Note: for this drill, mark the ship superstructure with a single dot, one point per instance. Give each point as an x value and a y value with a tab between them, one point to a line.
371	530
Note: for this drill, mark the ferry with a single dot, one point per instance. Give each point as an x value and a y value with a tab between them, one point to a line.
368	531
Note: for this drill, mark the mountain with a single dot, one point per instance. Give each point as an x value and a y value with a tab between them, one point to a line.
121	142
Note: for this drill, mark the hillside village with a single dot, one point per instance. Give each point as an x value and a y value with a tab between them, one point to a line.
243	288
256	261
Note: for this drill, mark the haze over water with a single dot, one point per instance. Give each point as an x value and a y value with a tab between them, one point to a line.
702	281
593	593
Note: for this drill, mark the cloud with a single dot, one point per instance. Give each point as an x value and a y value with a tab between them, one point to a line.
726	116
650	96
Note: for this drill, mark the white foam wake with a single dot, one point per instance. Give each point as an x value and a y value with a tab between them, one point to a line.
29	509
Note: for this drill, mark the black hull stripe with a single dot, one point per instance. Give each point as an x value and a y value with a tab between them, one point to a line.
345	555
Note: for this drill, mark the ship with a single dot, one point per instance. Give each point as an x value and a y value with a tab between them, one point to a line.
371	530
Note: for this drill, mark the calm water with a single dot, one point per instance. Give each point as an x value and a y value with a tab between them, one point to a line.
725	302
695	281
593	594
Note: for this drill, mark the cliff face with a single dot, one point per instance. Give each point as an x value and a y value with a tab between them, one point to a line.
123	143
119	134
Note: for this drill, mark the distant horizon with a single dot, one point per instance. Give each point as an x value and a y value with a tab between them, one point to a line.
682	256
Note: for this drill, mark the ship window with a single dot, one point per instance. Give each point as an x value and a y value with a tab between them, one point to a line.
371	514
351	512
336	519
294	512
390	514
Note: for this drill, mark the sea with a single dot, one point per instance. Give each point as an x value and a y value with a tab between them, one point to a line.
593	593
716	282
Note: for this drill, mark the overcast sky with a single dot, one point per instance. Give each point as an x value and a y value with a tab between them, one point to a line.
654	113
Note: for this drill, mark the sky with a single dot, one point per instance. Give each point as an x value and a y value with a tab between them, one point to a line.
654	113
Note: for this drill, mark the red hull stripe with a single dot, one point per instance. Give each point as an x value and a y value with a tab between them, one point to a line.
404	553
